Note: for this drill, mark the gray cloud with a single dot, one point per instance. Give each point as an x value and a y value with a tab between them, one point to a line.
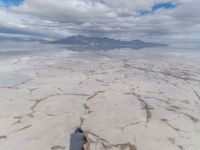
113	18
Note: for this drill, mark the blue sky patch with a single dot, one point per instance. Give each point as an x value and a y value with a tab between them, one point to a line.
167	5
8	3
157	6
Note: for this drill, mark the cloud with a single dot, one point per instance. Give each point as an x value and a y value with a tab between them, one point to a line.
113	18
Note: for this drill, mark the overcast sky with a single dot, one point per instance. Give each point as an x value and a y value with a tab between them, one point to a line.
120	19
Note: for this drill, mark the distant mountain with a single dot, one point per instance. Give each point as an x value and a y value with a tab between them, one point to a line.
81	40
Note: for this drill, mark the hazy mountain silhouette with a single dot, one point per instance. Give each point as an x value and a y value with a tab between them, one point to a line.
107	43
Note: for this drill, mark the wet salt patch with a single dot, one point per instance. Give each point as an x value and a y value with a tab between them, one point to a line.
67	53
175	53
7	80
13	64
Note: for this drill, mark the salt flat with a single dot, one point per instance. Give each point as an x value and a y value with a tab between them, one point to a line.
123	99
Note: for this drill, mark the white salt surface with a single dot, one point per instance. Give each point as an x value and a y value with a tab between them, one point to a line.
123	99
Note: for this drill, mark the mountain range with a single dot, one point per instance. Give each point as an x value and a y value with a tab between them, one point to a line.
81	40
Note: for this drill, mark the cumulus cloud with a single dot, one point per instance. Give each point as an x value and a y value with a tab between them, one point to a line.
120	19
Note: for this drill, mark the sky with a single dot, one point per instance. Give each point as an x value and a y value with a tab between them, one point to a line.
150	20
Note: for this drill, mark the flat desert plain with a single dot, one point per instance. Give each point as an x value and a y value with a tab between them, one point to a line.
123	99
